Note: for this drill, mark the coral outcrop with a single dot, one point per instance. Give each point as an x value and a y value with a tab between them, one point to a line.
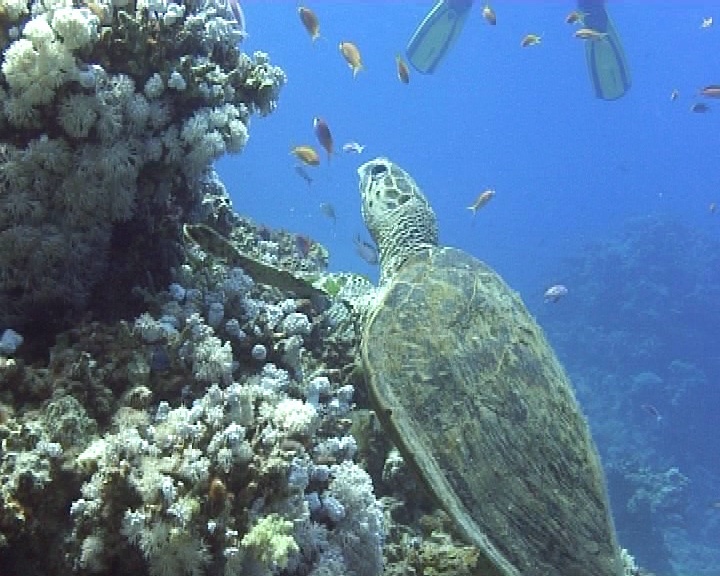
111	115
171	448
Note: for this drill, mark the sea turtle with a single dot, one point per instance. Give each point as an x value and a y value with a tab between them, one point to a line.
463	379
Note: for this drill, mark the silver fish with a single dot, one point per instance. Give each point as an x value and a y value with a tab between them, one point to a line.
353	148
554	293
366	251
300	171
654	412
328	210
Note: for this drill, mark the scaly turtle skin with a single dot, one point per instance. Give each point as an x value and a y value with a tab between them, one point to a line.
464	380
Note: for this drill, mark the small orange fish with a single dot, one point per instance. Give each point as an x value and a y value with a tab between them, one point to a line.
530	40
489	15
674	95
322	132
403	72
306	154
310	21
481	200
575	17
711	91
352	56
589	34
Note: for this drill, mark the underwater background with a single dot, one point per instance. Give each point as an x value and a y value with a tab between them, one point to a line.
611	199
180	391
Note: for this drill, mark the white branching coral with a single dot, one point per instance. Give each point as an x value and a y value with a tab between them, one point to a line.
76	27
154	86
211	132
271	540
36	65
35	69
172	551
360	532
296	417
138	141
77	114
211	359
13	9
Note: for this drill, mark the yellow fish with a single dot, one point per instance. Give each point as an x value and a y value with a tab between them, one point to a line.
481	200
575	17
352	56
306	154
403	72
310	21
589	34
530	40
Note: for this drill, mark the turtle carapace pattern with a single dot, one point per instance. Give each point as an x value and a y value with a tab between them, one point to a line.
463	379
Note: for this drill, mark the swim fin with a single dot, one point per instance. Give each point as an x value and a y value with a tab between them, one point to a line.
607	65
436	34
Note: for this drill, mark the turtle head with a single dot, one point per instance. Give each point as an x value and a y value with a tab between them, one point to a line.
396	213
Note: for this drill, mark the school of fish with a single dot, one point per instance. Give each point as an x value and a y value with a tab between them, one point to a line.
308	156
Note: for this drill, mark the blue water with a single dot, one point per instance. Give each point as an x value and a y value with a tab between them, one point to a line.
579	182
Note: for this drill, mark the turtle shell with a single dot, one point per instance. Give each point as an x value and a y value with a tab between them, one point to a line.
464	380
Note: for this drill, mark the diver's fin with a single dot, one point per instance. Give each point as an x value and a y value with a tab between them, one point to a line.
436	34
607	65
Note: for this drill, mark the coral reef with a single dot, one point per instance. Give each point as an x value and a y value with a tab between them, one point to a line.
251	471
111	115
645	304
211	433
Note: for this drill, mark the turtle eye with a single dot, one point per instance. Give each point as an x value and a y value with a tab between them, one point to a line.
378	171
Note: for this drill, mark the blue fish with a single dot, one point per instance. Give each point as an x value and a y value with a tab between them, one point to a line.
366	251
300	171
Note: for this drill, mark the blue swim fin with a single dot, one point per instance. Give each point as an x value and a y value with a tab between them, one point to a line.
436	34
607	65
